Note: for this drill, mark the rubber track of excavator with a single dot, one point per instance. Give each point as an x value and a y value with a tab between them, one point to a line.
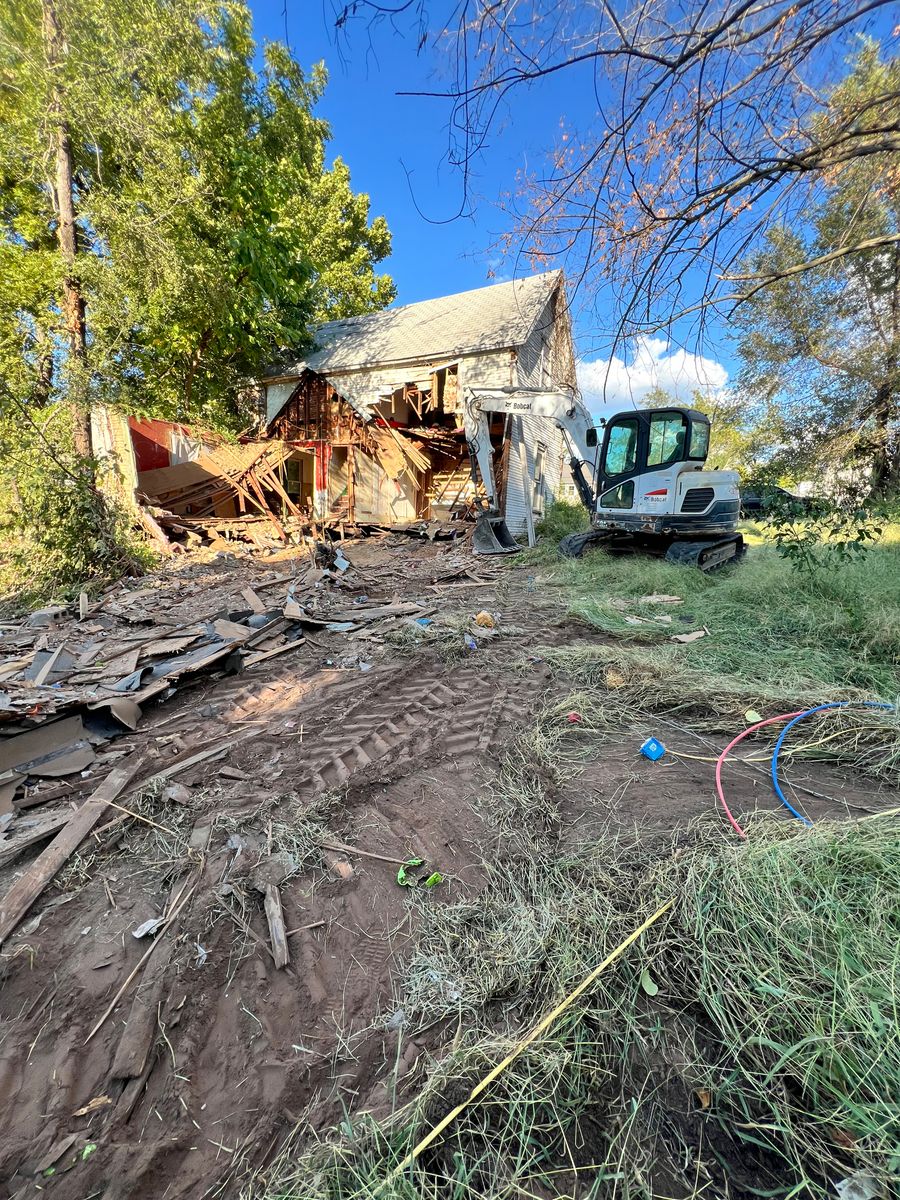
706	555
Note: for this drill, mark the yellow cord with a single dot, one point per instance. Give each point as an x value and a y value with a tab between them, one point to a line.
754	758
526	1041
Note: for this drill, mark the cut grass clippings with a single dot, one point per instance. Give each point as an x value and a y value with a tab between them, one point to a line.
747	1045
775	629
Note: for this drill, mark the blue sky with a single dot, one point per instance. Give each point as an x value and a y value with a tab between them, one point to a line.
395	147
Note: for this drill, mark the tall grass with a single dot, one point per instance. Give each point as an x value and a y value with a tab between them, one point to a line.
771	626
748	1045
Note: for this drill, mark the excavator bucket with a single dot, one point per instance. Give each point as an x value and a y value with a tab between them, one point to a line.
492	536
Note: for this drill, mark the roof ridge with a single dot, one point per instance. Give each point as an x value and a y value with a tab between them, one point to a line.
403	308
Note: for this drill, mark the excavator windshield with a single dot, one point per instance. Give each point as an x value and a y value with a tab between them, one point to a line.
668	432
635	443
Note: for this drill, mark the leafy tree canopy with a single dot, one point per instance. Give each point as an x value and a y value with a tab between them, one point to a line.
210	229
820	348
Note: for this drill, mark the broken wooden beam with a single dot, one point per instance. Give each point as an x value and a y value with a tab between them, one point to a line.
26	889
275	916
139	1037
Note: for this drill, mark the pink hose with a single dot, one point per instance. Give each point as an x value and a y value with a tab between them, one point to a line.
734	741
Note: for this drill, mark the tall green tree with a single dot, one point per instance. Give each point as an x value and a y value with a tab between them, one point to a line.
820	347
168	219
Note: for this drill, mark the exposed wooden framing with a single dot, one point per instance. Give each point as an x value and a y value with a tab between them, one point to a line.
254	483
240	489
351	482
267	474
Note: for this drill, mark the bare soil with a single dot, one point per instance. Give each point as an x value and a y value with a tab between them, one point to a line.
391	748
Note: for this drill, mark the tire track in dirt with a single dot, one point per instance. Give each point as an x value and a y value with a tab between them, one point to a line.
442	716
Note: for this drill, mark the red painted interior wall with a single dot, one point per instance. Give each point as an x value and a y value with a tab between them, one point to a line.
151	443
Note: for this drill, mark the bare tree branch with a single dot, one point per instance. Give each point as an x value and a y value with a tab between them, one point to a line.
712	125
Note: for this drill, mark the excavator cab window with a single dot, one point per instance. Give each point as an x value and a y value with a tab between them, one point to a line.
668	435
621	447
621	496
699	440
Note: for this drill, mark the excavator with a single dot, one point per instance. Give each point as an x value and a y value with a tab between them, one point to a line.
641	475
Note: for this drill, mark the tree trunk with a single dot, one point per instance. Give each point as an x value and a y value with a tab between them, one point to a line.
64	201
887	400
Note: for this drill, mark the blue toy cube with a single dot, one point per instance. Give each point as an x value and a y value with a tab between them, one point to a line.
653	749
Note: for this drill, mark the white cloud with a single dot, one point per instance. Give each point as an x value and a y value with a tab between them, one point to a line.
610	385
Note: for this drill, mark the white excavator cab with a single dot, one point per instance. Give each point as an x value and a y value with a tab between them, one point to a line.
651	476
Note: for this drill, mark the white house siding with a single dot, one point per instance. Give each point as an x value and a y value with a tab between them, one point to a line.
539	363
495	368
522	490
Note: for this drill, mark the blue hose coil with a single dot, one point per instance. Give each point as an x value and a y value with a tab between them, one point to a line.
790	725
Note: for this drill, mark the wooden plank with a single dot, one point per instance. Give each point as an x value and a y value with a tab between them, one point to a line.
256	604
12	848
137	1041
263	655
28	887
231	630
48	666
275	916
267	583
219	748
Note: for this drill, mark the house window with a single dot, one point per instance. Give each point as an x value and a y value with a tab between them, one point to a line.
537	504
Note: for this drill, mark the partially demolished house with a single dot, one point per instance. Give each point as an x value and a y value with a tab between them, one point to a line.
368	427
374	414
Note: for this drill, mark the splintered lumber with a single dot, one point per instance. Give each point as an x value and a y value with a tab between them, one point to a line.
26	889
275	916
257	488
155	530
137	1041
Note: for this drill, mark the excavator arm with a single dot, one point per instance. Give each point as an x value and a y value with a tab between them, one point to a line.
651	492
562	408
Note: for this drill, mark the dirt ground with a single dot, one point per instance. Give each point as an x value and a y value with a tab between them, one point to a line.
391	747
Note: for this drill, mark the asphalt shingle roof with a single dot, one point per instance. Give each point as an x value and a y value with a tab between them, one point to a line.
489	318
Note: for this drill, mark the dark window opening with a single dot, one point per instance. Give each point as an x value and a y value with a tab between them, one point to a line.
619	497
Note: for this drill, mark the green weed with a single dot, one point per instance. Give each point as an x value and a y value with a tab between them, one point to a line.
777	631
